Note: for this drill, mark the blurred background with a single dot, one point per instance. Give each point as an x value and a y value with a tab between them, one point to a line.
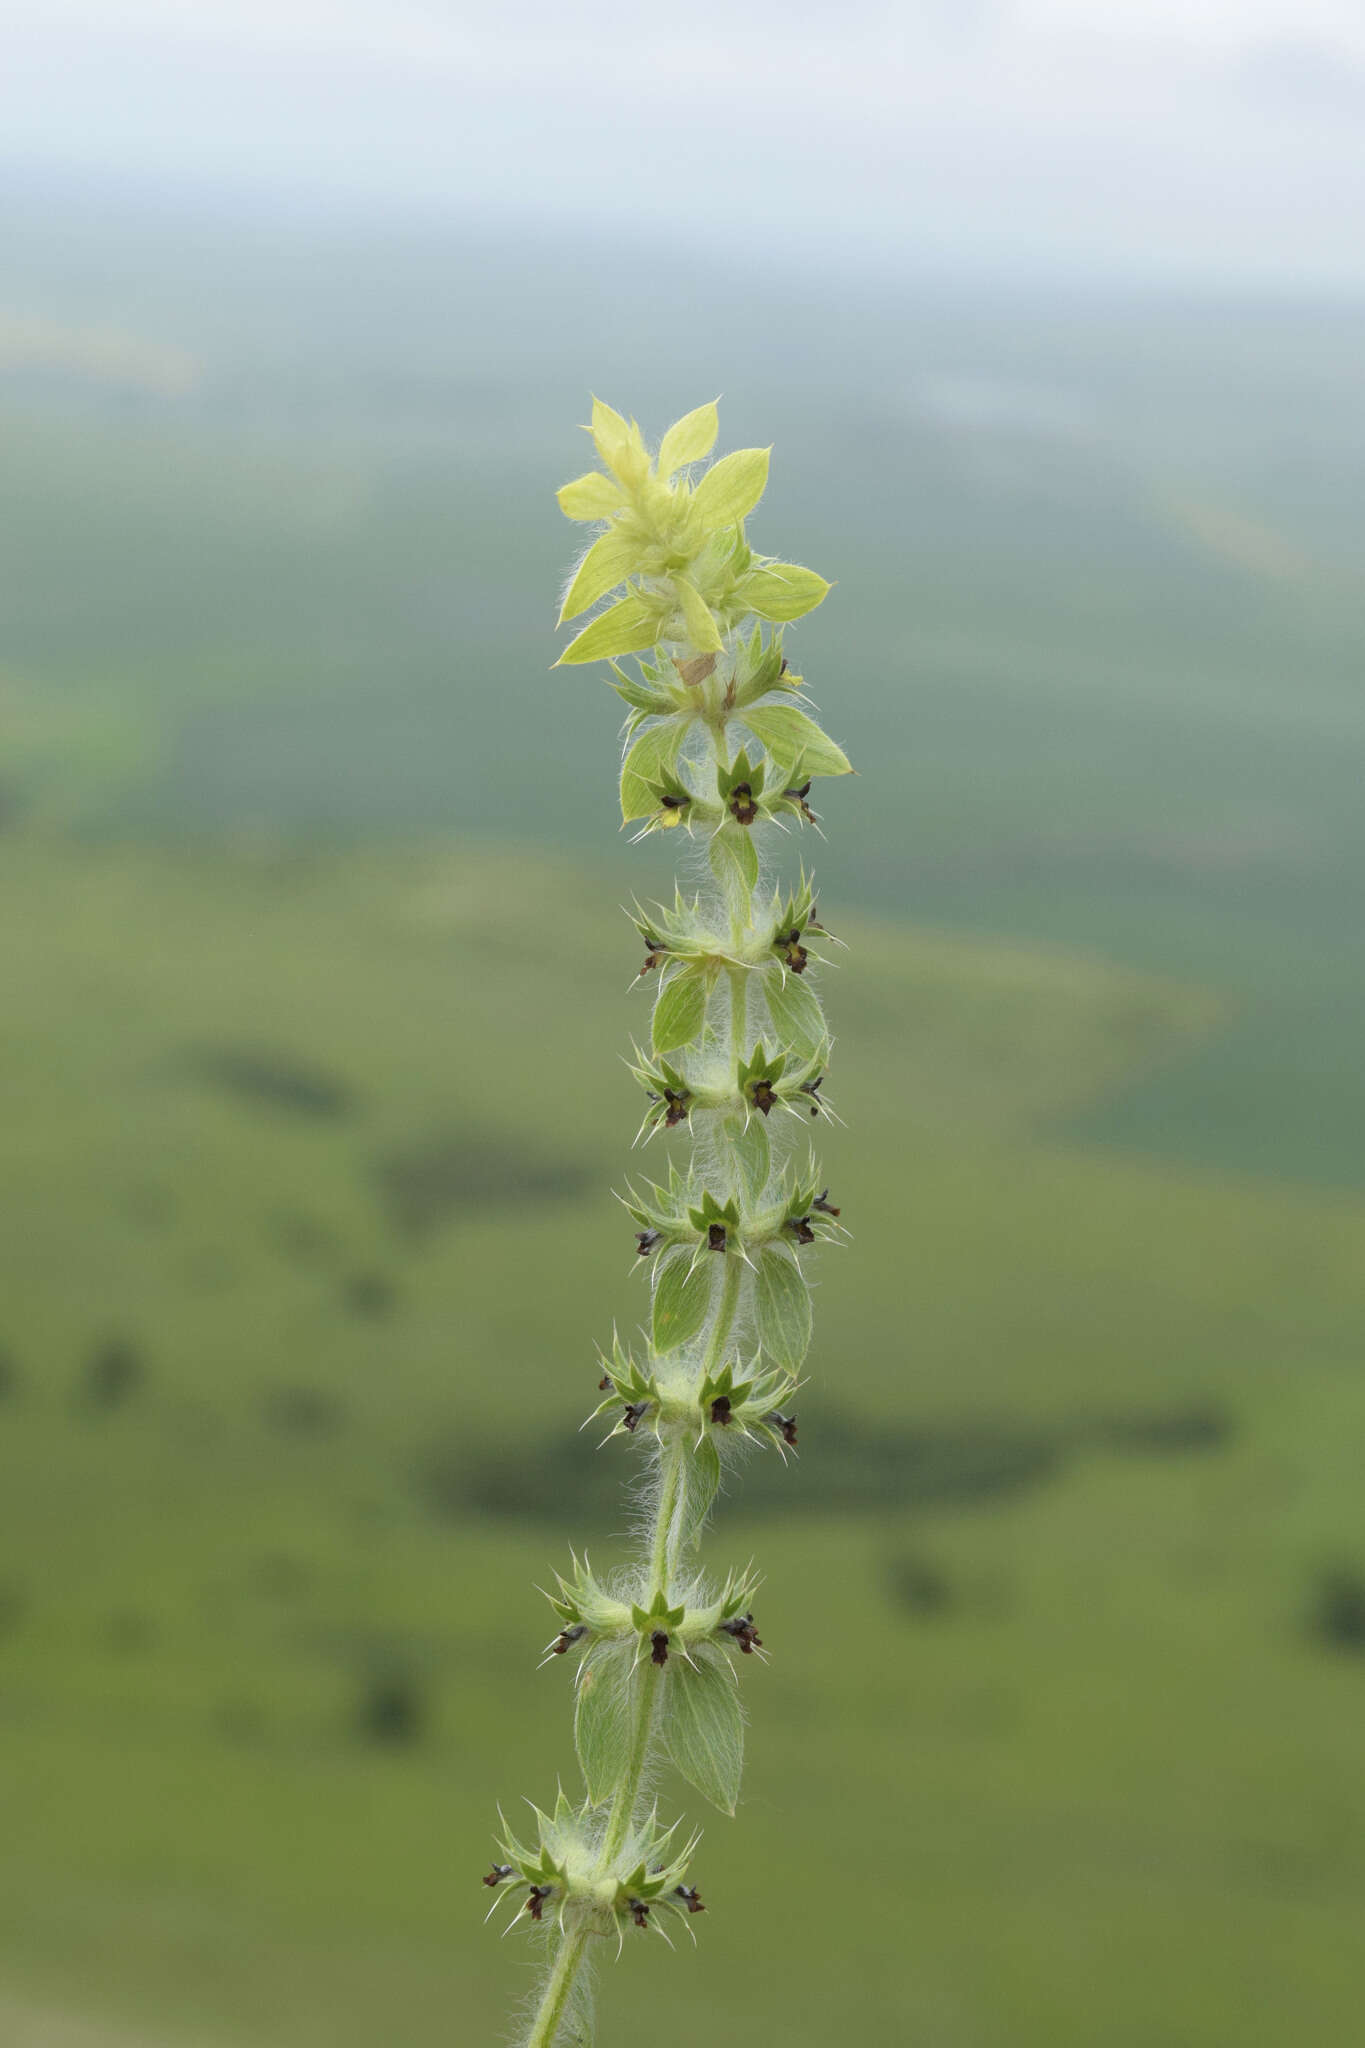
315	979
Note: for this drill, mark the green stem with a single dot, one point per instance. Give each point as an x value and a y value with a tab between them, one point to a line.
662	1557
628	1791
559	1990
725	1312
660	1549
739	1010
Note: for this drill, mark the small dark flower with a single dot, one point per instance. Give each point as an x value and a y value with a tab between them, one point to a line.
634	1411
535	1905
720	1410
645	1241
659	1650
604	1383
566	1639
745	1634
785	1425
690	1897
743	808
678	1105
761	1095
824	1205
799	1226
672	802
639	1912
499	1873
715	1238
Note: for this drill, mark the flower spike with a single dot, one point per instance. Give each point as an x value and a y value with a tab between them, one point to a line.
721	744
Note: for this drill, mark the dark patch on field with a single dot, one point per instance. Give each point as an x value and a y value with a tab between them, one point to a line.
921	1586
301	1238
270	1078
852	1464
1336	1616
113	1374
467	1172
1201	1426
369	1294
303	1411
391	1709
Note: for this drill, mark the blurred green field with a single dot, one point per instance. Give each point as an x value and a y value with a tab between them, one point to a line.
314	989
1055	1746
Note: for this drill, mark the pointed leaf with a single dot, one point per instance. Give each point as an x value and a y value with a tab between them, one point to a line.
734	862
640	695
611	558
609	431
703	1727
782	1308
689	439
730	489
789	734
620	444
593	496
602	1717
781	590
679	1010
798	1020
752	1154
700	1482
653	754
627	628
682	1297
702	630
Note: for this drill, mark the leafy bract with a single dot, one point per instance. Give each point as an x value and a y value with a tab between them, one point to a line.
730	489
703	1726
782	1307
679	1010
791	735
682	1297
782	590
624	628
689	439
654	752
601	1728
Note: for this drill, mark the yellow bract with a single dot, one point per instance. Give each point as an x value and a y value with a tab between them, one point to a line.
677	547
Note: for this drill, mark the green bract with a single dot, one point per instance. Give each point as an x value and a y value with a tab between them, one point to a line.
677	544
720	741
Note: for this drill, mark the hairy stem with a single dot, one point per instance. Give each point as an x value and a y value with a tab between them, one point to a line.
725	1312
655	1675
559	1990
628	1791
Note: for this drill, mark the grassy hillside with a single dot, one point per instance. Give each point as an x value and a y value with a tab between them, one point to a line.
311	1160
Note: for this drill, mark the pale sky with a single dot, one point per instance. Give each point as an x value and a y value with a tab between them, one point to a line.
1188	137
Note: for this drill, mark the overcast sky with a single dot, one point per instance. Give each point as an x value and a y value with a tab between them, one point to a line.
1196	137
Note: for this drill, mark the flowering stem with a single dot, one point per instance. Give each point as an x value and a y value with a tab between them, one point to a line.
722	1237
559	1990
725	1313
739	1011
628	1791
663	1548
